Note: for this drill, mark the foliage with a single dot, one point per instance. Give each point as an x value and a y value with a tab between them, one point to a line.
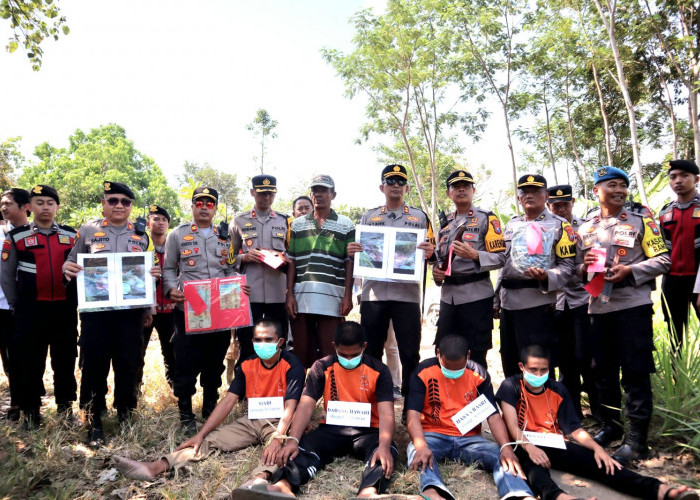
11	161
353	213
78	171
32	21
195	175
263	125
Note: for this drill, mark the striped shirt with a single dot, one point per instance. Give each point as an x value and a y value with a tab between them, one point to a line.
320	255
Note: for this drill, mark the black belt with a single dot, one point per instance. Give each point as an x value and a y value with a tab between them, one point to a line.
511	284
469	278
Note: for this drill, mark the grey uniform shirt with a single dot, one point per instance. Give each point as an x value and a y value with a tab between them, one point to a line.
190	255
637	242
406	218
573	293
482	230
100	236
559	271
269	231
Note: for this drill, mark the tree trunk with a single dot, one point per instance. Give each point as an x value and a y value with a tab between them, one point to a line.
604	114
582	178
549	134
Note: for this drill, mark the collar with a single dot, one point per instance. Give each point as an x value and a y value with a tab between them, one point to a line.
254	214
406	210
106	223
54	227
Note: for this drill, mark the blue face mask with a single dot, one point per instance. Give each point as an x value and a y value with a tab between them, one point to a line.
349	364
265	350
535	380
452	374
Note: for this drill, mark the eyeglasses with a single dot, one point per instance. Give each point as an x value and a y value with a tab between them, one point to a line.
391	182
202	204
113	202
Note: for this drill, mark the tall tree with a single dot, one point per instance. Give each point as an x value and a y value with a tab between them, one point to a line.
11	161
196	175
262	126
32	21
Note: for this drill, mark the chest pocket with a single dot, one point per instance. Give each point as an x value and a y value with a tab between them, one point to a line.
278	238
222	248
100	246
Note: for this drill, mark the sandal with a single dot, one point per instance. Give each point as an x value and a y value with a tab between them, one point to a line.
684	495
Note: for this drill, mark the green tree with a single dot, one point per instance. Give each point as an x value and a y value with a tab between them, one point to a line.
195	175
78	171
11	161
262	126
32	21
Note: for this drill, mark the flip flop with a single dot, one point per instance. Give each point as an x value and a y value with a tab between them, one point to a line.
685	495
256	492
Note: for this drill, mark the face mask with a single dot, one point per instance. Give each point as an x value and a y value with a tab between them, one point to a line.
452	374
349	364
265	350
535	380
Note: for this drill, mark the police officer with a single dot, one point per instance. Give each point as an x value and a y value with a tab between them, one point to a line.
44	311
398	302
538	261
680	228
571	317
194	251
158	222
261	228
621	325
468	246
114	336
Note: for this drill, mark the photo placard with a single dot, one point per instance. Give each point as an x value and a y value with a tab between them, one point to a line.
389	253
216	304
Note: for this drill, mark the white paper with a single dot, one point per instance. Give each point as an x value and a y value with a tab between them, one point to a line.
389	253
547	439
473	414
271	258
265	407
347	413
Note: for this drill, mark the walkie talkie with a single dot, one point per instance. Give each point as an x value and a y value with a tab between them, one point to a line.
140	225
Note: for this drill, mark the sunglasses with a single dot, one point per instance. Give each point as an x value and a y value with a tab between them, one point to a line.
113	202
203	204
391	182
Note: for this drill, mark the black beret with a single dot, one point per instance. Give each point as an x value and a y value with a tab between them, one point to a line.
118	188
562	192
686	165
532	180
459	176
394	170
44	190
205	192
156	210
264	183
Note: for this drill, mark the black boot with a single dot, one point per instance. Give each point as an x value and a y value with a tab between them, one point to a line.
634	447
32	419
95	432
124	415
65	412
608	433
187	424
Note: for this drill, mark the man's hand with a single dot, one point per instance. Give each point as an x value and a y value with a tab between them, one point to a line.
619	273
345	305
193	442
383	455
291	305
496	312
510	462
353	248
438	274
246	289
465	250
589	259
252	255
603	459
176	295
538	456
423	459
288	452
147	319
536	273
427	247
71	270
269	454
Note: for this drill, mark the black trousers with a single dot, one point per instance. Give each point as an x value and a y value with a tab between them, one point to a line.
41	326
579	460
7	338
198	354
623	341
473	321
275	312
106	337
406	319
523	327
576	355
165	326
678	297
322	445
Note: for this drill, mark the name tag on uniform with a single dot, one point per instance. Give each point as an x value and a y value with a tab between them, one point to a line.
473	414
265	407
347	413
624	237
546	439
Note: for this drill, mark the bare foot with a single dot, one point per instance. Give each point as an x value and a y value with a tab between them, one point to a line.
143	471
433	494
283	487
676	492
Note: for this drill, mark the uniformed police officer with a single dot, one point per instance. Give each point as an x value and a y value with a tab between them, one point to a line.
571	317
398	302
261	228
539	260
621	327
44	310
469	247
114	336
158	223
680	228
194	251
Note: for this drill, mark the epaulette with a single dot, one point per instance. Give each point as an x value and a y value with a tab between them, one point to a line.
560	219
285	216
17	229
591	212
421	211
666	206
67	228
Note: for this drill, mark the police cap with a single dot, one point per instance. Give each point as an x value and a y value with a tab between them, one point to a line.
459	176
156	210
562	192
44	190
605	173
205	192
394	170
535	180
264	183
118	188
685	165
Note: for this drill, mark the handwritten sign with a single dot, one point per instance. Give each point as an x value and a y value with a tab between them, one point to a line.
546	439
473	414
265	408
347	413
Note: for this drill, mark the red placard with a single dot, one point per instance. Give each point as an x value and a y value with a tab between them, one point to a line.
216	304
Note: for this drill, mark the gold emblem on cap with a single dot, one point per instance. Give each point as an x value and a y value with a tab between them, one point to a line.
37	189
559	192
154	208
266	182
462	174
602	171
108	186
530	178
397	168
206	191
